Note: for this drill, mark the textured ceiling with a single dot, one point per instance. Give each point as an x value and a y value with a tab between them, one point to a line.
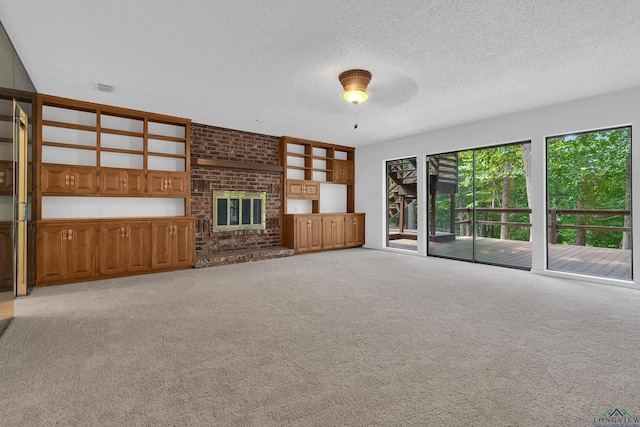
272	66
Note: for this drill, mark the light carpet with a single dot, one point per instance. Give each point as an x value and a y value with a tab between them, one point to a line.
354	337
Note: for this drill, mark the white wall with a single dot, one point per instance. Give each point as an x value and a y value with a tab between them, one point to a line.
610	110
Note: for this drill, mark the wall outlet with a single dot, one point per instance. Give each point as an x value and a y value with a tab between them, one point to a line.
100	211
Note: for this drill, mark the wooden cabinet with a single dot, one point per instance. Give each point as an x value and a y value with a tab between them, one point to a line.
332	232
80	250
343	172
308	233
354	229
314	232
167	184
124	247
172	244
303	190
66	252
122	182
64	179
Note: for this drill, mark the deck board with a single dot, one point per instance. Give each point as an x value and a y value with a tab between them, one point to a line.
602	262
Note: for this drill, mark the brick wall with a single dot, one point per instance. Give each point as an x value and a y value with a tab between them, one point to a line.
210	142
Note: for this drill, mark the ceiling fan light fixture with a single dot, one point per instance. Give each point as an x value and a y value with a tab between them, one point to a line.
355	84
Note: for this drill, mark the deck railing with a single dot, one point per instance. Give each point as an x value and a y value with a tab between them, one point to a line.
465	222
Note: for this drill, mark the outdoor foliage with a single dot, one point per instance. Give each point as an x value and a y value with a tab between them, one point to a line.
584	171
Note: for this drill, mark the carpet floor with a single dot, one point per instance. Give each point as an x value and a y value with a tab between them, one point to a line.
343	338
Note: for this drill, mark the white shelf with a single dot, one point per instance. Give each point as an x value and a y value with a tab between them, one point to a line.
67	115
166	147
174	131
121	123
68	156
121	160
123	142
54	207
68	136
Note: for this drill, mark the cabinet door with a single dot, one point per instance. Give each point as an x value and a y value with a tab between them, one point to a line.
134	183
184	244
308	234
83	180
137	243
55	179
157	183
111	181
312	190
112	248
51	260
302	233
178	184
332	232
343	172
338	232
81	251
354	230
161	244
295	189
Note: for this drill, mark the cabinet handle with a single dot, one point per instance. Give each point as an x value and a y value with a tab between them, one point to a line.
169	181
124	182
128	231
1	177
175	229
73	180
67	181
166	183
64	234
70	232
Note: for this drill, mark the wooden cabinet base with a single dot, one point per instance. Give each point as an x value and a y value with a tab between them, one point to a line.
80	250
321	232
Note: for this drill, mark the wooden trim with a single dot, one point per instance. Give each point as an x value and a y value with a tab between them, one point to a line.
226	164
167	138
318	144
73	104
175	156
37	160
74	126
187	168
121	132
65	145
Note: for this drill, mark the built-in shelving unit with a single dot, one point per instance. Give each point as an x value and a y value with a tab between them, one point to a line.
318	203
102	168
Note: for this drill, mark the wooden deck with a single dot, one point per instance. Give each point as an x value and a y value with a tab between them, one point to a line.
603	262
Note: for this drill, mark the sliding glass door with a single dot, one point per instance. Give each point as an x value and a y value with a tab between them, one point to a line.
450	184
589	203
479	205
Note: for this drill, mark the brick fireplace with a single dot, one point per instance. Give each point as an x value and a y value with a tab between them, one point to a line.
230	160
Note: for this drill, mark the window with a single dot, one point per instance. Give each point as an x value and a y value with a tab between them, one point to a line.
589	203
239	210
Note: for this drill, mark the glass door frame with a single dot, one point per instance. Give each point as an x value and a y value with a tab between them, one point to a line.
20	199
473	219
